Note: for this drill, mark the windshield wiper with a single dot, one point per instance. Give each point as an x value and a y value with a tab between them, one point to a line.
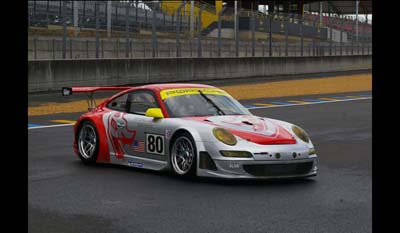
220	112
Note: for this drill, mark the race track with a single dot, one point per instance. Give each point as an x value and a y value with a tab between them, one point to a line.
67	196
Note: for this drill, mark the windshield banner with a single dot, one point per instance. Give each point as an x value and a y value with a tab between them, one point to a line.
191	91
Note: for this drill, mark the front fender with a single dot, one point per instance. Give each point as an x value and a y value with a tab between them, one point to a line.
97	120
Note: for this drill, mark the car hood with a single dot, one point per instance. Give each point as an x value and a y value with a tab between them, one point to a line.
251	128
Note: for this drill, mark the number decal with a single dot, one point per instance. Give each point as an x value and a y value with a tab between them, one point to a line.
150	143
159	145
155	144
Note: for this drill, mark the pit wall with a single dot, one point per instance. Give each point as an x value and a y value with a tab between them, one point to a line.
51	75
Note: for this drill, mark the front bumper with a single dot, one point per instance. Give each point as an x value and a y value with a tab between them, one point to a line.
261	169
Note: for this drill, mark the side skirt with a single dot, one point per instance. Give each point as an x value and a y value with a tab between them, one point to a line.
140	162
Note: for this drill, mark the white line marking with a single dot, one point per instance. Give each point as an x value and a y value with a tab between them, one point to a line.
49	126
322	102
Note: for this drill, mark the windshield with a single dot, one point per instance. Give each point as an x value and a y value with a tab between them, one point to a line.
202	102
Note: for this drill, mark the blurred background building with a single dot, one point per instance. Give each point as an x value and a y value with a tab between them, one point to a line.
137	29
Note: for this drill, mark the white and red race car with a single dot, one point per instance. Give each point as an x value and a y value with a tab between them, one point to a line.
191	129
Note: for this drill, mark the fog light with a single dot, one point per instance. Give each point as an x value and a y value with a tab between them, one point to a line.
236	154
277	155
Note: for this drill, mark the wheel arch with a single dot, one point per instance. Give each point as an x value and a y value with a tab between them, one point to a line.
196	138
97	121
197	144
194	133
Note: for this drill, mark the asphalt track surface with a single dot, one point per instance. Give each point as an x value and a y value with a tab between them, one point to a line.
66	196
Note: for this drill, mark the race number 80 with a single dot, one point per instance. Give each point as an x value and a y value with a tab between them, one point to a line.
155	144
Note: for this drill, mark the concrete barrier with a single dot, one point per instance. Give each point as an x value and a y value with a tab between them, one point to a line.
51	75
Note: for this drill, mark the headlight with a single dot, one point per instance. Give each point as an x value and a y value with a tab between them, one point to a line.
311	151
300	133
224	136
237	154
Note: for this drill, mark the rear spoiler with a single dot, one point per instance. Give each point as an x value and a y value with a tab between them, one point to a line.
90	91
69	90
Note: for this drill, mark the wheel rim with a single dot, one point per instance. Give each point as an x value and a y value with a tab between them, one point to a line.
87	141
182	155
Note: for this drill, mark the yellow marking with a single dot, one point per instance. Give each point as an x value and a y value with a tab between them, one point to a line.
298	102
190	91
354	97
64	121
265	104
54	108
327	85
327	99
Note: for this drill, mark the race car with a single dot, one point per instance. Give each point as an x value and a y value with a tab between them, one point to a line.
191	129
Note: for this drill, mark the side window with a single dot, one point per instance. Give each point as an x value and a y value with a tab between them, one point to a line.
139	101
119	103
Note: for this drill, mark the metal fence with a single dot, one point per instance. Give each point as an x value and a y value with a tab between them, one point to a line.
105	29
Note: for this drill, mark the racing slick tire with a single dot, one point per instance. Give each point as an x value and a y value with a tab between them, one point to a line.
183	154
87	140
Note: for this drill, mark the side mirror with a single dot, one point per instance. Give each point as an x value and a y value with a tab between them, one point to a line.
66	91
154	112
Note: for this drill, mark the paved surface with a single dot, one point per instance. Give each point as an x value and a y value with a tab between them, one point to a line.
35	99
67	196
70	118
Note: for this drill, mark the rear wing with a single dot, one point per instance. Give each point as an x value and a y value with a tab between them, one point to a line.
66	91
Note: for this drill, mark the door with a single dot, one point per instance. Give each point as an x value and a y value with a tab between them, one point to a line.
131	134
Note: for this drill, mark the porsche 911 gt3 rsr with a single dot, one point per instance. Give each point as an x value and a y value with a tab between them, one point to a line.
191	129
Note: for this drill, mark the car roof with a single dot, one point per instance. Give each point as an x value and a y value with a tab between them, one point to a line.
163	86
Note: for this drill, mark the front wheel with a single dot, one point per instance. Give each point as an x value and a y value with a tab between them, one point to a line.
88	143
183	155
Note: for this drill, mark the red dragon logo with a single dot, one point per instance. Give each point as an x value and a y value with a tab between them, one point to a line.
119	133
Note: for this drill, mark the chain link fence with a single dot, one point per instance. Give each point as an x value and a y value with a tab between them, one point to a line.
136	29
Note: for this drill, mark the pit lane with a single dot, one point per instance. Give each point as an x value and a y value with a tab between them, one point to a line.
67	196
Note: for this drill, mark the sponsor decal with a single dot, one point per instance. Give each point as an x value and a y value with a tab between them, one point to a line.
138	146
190	91
135	164
234	165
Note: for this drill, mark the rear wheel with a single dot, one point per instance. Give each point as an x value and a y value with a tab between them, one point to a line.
183	155
88	142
